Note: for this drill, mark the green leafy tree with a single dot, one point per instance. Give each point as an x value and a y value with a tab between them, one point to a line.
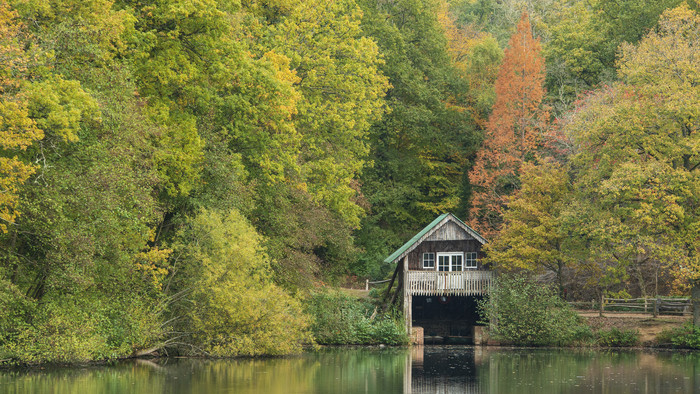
500	17
635	161
524	312
583	40
89	207
573	51
627	22
421	148
342	92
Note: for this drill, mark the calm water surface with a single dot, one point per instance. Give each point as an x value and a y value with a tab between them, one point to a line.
433	369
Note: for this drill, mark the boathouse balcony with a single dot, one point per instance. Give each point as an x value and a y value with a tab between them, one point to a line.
440	283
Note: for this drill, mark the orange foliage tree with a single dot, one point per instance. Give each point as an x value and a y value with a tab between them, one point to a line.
513	132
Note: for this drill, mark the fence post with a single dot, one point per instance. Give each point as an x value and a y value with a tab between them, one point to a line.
366	284
645	305
602	299
657	301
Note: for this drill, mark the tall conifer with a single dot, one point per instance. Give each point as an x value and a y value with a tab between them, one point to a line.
513	130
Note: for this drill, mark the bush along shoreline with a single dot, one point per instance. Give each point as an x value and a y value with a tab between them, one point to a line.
526	313
324	317
341	319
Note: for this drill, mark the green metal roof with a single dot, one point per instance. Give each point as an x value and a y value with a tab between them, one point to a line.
427	229
415	239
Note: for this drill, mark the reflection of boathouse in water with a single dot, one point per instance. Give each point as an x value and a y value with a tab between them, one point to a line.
441	278
434	369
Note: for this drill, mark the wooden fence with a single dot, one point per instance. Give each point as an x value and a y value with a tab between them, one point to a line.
655	306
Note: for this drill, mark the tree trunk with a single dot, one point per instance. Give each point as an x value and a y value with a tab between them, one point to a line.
391	284
695	299
560	281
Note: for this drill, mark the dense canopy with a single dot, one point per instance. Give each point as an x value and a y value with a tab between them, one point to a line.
157	155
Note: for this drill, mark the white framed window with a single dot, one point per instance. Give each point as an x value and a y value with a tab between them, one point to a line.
450	261
429	260
470	260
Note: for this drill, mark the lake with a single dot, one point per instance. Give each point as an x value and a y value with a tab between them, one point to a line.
430	369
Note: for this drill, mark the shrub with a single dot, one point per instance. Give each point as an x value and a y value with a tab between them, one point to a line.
63	332
615	337
16	309
523	312
74	327
686	336
340	319
232	307
582	335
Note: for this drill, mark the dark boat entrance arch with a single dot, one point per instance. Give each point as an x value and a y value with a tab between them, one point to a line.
446	319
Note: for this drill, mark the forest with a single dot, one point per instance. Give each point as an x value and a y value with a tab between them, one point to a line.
185	173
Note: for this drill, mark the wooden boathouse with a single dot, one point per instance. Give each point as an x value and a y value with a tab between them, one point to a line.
441	277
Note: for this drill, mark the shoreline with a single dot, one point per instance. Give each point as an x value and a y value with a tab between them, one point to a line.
147	359
647	325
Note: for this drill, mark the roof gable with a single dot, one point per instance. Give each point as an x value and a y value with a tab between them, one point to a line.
449	231
445	226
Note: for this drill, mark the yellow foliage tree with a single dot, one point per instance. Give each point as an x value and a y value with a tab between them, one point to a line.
535	236
232	307
477	56
637	160
17	129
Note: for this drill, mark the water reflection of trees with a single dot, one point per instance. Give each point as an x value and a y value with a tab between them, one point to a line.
581	371
334	371
500	370
432	369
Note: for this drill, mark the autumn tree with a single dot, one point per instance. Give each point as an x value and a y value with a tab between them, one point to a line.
477	56
17	129
536	233
636	155
514	130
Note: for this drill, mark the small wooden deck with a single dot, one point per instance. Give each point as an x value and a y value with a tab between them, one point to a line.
434	283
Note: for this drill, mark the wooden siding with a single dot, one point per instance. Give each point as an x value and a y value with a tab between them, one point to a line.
449	231
464	283
415	262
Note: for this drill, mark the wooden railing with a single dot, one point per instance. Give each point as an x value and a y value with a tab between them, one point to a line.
448	283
